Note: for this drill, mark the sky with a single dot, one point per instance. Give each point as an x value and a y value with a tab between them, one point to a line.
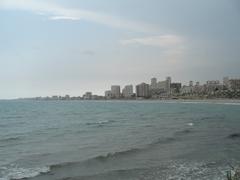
58	47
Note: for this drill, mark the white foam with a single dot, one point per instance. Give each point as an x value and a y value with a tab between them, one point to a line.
196	171
15	172
190	124
234	104
237	103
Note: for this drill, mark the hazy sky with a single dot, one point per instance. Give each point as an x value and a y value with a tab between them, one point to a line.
50	47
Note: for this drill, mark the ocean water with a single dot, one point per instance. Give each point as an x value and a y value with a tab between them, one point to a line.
118	140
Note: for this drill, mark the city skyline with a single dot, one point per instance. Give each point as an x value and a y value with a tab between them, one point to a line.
71	47
157	88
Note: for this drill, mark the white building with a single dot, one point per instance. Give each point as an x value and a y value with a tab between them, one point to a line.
187	90
213	85
116	91
127	91
153	83
165	85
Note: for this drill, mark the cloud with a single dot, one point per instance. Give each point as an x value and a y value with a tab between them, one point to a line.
64	18
57	12
172	46
163	41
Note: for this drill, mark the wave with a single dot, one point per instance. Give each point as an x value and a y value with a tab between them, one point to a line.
190	124
218	102
99	123
14	172
126	153
233	104
130	152
100	158
162	141
183	132
234	136
10	139
166	170
115	156
13	117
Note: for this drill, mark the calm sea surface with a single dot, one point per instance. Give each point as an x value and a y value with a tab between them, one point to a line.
127	140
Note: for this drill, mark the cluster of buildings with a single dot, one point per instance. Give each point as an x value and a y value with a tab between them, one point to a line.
228	88
142	90
166	89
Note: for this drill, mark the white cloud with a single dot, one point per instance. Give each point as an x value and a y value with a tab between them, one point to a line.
64	18
163	41
57	12
172	46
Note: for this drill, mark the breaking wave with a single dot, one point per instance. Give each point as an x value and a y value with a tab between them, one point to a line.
17	173
173	170
128	152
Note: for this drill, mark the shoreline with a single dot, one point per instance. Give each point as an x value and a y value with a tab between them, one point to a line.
185	100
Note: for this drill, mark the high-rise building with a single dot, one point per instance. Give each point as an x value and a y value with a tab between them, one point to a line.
191	83
127	91
116	91
142	90
161	85
153	83
168	84
165	86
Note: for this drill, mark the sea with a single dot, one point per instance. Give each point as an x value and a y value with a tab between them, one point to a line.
118	140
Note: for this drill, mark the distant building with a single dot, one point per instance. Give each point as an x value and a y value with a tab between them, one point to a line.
143	90
198	89
55	98
96	97
87	96
234	84
67	97
187	90
212	86
162	85
226	82
153	83
168	84
176	87
127	91
191	83
108	94
213	82
116	91
165	86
